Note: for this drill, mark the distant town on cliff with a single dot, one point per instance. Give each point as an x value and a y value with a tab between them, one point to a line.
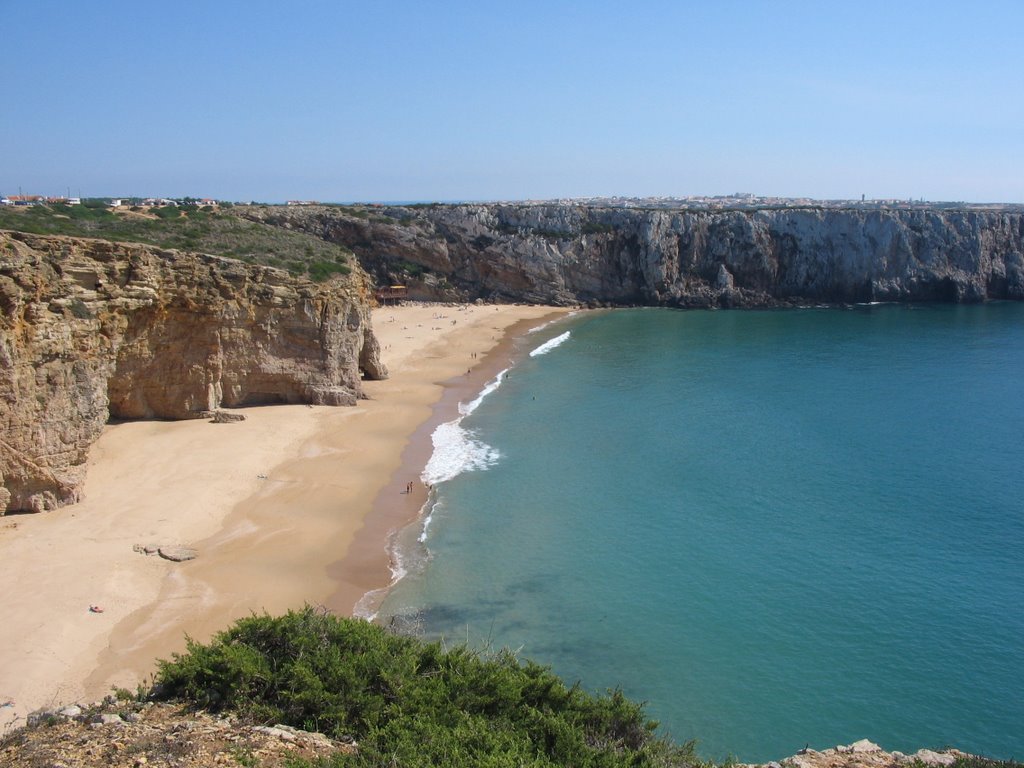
736	201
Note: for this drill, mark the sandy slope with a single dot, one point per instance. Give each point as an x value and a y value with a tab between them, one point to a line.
272	504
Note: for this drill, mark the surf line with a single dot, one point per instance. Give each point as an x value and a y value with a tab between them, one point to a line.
456	450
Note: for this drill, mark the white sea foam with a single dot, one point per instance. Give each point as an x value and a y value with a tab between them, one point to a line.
369	604
406	558
456	449
427	520
542	326
467	408
550	344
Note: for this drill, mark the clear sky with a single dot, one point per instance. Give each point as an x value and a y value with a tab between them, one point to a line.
345	101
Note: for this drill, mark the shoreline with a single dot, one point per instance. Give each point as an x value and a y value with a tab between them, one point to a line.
367	573
291	506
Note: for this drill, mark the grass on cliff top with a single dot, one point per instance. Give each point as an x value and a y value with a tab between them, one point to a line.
194	229
408	702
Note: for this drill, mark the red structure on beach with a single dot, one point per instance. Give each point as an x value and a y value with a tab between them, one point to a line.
392	292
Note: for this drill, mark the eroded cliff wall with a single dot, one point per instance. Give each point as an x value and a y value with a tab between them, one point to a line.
91	330
566	254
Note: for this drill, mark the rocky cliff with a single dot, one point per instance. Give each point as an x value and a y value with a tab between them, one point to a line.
129	734
92	330
565	254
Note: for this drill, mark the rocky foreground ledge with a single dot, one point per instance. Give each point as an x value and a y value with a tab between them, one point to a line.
130	734
864	754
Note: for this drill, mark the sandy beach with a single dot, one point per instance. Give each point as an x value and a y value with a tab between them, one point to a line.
292	505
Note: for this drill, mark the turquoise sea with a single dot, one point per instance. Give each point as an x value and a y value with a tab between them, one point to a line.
775	527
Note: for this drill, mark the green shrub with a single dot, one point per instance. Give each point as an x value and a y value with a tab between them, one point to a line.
213	232
409	702
322	270
167	212
974	761
86	213
413	270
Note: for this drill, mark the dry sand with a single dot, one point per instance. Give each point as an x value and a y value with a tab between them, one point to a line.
275	506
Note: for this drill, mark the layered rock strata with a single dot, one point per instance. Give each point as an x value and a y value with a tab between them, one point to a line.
566	254
92	330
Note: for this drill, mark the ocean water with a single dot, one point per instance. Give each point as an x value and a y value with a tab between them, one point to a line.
776	528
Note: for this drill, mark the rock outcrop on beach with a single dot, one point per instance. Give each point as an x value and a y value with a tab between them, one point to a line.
568	253
92	330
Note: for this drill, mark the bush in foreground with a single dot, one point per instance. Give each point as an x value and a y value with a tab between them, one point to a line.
408	702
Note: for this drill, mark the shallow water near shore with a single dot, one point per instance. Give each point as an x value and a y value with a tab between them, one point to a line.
776	528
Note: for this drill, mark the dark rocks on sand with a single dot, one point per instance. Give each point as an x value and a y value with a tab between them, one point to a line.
178	554
223	417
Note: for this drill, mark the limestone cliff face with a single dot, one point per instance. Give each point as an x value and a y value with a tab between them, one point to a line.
91	330
570	253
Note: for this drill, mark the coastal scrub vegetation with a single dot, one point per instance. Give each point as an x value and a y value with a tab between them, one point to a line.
409	702
977	761
192	228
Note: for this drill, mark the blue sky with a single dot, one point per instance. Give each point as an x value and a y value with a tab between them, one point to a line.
495	101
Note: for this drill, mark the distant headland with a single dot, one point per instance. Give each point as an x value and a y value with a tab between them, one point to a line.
729	253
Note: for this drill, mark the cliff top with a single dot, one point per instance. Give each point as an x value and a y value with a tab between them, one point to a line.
215	232
689	203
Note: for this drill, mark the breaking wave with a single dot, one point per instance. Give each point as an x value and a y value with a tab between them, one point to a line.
550	344
457	449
